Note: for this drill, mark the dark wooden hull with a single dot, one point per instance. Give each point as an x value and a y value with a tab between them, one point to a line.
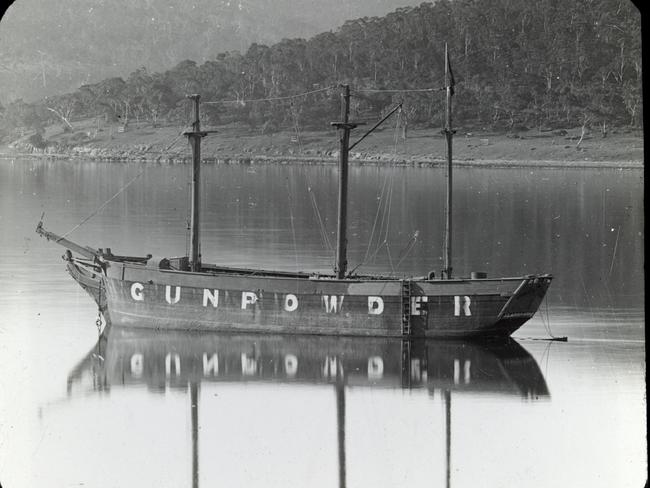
235	300
90	281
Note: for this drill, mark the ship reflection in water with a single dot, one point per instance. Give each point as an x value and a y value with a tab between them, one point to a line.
189	361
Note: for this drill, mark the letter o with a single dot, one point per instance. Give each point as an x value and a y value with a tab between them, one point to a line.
136	291
290	302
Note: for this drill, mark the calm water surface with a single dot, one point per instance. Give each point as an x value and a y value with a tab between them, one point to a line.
131	409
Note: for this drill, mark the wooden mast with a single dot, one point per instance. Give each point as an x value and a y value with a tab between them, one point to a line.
344	133
195	142
449	134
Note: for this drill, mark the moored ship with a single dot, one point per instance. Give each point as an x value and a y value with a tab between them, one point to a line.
186	293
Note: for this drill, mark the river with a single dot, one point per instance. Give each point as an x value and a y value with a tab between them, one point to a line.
200	410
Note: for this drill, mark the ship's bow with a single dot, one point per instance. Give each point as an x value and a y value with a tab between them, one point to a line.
523	304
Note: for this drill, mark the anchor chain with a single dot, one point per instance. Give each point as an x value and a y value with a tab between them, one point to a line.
98	321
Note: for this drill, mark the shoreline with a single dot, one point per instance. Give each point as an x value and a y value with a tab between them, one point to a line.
422	148
325	161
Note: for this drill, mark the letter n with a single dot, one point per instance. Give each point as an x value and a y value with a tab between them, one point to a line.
212	297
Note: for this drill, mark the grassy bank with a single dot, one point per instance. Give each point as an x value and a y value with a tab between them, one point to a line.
144	142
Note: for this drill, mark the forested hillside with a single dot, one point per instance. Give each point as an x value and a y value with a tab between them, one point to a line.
516	63
48	48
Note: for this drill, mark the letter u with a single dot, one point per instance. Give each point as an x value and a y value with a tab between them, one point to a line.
168	294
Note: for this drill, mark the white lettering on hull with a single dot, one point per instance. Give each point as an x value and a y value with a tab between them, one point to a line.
168	294
136	292
290	303
333	303
375	305
211	296
416	303
248	298
466	303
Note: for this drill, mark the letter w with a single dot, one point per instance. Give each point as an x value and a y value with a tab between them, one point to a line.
333	303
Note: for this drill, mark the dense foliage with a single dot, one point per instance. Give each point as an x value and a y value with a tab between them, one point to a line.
516	64
48	48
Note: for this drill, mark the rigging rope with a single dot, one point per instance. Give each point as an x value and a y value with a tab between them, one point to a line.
103	205
397	124
293	228
389	206
405	90
409	247
321	224
296	125
374	225
270	99
174	140
385	203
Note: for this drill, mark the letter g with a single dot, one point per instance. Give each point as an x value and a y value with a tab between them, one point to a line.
136	291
